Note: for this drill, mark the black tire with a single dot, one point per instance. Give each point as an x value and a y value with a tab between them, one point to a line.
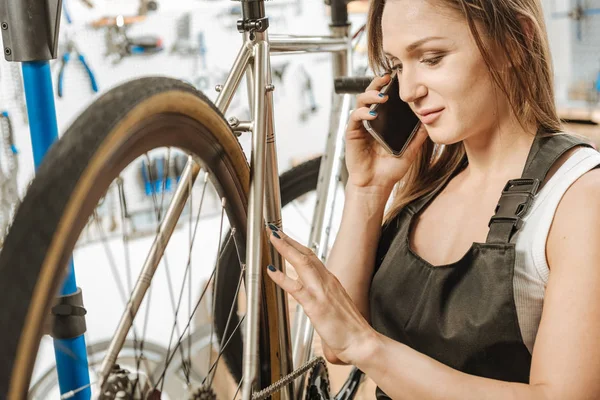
120	126
293	184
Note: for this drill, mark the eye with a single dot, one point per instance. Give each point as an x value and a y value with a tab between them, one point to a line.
432	61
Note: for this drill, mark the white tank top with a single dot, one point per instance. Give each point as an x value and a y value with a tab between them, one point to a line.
531	267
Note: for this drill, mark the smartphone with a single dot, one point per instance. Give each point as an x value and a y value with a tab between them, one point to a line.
396	124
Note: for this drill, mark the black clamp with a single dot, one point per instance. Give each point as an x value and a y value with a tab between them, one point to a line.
30	29
517	197
68	316
253	25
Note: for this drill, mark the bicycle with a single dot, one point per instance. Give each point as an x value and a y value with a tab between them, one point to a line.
129	122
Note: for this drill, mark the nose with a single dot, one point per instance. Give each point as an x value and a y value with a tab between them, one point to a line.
411	86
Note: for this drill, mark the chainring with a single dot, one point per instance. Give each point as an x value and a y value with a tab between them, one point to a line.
318	387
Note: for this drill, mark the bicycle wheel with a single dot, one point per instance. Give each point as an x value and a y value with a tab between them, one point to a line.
122	126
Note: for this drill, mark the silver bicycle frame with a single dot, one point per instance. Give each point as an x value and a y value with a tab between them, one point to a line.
264	203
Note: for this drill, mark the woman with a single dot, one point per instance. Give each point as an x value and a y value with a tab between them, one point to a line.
476	287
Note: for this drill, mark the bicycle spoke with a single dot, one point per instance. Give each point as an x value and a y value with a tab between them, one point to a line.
124	216
238	388
164	180
300	212
221	345
171	354
111	260
189	361
217	275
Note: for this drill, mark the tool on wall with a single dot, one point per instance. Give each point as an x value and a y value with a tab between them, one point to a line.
201	80
18	90
578	14
120	45
69	49
65	58
9	198
147	5
66	12
183	43
308	96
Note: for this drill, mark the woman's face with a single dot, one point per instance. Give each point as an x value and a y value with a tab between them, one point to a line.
441	72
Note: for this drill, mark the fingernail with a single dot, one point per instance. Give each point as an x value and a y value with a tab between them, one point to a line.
276	235
272	268
381	94
373	113
273	227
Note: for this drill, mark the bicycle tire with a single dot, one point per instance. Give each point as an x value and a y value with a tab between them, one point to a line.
293	184
123	123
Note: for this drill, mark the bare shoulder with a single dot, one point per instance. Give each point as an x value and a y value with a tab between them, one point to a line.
576	219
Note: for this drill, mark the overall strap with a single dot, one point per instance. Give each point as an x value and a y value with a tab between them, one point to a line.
518	194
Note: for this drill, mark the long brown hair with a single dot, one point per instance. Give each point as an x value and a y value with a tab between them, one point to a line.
529	90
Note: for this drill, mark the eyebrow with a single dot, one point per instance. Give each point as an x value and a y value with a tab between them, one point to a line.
413	46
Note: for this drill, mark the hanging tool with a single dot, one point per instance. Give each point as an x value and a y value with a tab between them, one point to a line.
577	14
183	44
201	81
179	162
19	90
71	47
120	45
308	95
66	12
155	176
8	174
147	5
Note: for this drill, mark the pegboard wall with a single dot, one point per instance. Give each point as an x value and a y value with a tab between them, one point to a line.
301	116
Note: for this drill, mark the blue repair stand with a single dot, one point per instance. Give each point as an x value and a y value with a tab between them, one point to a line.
30	36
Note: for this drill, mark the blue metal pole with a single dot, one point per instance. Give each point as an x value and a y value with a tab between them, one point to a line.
71	355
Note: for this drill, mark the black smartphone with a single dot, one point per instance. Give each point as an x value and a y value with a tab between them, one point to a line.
396	124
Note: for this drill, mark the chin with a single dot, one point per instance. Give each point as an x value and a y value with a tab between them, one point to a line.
442	135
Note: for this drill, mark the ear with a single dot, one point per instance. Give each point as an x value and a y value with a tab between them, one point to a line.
528	29
527	26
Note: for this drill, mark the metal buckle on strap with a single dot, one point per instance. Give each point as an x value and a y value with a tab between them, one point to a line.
517	196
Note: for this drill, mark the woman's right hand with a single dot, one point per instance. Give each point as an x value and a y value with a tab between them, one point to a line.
369	165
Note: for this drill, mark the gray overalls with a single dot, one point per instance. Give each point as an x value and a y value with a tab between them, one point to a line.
462	314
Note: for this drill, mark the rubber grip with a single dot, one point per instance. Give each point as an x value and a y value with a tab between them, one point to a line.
352	85
90	73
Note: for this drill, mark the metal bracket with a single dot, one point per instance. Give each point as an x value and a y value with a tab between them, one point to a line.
68	316
253	25
30	29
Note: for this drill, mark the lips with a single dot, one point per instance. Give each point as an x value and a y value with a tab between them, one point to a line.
430	116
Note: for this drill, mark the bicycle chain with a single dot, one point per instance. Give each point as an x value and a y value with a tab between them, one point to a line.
318	387
277	386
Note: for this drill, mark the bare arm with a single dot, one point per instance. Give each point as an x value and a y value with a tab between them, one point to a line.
352	257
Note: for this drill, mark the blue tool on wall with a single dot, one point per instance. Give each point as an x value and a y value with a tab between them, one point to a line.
156	177
577	14
9	198
71	48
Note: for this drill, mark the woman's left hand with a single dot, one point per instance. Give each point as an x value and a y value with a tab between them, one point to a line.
332	312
